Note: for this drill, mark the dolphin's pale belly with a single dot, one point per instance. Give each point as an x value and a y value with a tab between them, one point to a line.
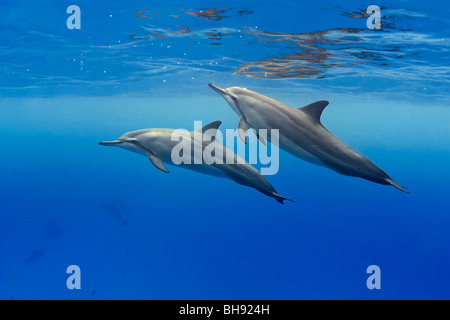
323	148
242	173
295	145
202	168
296	150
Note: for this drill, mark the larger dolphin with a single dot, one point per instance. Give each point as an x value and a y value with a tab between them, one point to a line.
301	133
157	145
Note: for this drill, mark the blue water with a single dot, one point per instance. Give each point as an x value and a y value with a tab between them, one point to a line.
138	233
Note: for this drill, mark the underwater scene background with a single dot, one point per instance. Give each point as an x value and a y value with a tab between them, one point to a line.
138	233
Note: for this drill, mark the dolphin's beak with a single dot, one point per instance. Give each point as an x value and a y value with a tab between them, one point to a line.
110	143
217	89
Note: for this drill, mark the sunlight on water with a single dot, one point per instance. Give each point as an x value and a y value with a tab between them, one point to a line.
153	46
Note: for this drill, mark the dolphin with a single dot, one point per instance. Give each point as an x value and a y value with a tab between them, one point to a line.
157	144
301	133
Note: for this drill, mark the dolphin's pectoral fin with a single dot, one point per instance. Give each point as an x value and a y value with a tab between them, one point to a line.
263	141
210	129
315	109
243	129
244	126
157	162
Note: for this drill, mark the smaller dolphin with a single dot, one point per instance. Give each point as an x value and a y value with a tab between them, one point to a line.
301	133
158	144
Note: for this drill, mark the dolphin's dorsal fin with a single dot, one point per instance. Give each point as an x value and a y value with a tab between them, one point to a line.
157	162
212	127
315	109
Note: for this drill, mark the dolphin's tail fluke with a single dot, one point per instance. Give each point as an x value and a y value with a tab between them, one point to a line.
395	184
280	199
